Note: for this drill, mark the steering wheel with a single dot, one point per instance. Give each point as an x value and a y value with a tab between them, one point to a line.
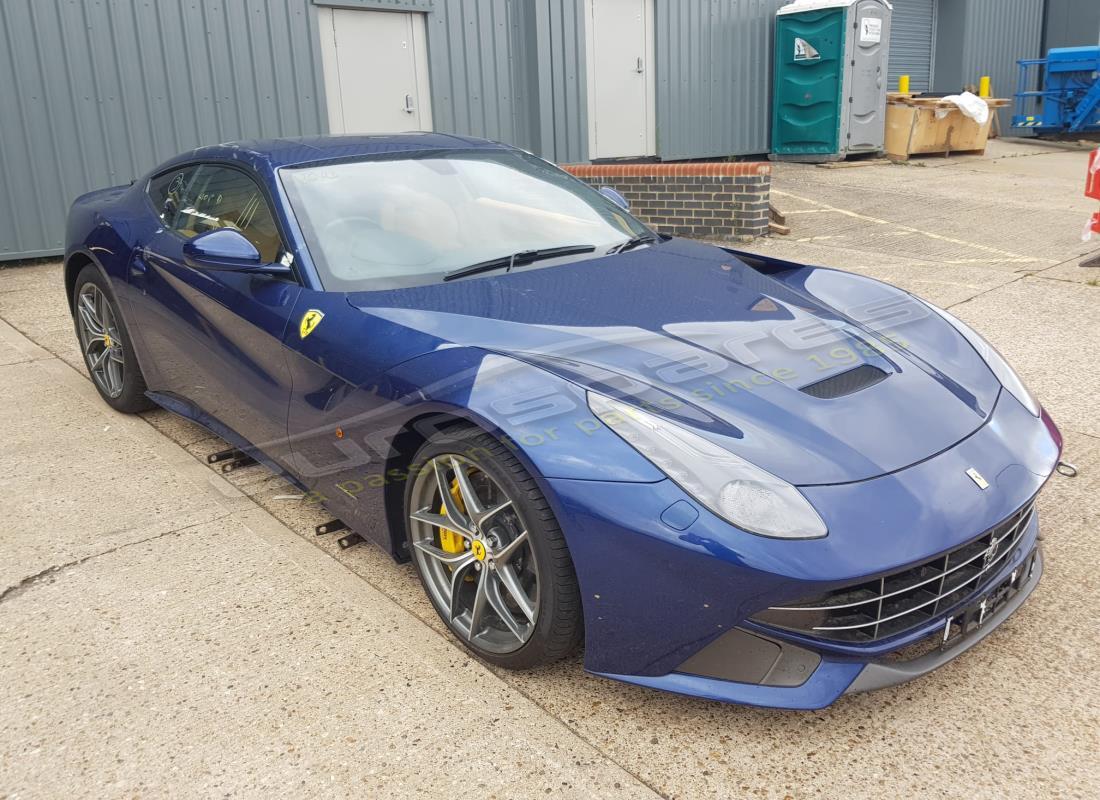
358	246
332	227
343	235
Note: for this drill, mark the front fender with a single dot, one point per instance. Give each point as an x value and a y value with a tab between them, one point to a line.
540	415
352	444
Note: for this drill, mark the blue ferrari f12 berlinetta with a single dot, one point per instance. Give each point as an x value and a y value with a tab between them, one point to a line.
730	476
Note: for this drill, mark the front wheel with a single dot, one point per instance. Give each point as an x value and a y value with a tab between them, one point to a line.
105	344
489	552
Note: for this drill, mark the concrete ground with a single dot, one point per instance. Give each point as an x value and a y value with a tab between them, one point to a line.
168	631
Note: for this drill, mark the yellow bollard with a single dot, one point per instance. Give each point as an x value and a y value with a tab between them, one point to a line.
983	86
903	84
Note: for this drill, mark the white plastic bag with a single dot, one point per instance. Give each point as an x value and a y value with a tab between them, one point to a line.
971	105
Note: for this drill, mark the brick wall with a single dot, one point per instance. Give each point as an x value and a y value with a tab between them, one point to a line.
709	201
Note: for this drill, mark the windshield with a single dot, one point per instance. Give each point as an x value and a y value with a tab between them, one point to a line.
396	222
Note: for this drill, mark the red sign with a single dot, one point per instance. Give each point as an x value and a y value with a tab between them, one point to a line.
1092	182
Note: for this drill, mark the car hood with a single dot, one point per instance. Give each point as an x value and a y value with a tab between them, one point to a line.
816	375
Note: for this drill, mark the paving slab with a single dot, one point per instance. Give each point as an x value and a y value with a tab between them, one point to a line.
1050	332
955	232
16	277
942	284
223	660
1024	211
1071	269
161	635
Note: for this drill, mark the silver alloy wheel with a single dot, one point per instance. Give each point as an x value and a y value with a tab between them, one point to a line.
99	340
489	590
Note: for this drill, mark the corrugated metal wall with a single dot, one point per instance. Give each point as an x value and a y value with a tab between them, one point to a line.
912	34
379	5
473	84
1071	23
986	37
511	70
562	103
1000	32
714	76
94	94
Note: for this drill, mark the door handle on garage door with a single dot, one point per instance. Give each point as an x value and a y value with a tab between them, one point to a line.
409	107
641	66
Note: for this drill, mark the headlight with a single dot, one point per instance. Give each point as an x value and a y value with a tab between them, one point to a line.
749	497
996	362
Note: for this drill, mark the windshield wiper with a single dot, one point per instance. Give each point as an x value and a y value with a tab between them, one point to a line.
632	242
518	259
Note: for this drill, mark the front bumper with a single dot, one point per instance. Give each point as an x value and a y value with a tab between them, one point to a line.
834	677
663	580
879	675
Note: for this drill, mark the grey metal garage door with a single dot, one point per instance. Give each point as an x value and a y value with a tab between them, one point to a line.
912	43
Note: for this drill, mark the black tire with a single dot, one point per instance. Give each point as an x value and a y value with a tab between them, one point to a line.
558	626
132	398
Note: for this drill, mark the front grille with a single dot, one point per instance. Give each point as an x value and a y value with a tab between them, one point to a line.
894	604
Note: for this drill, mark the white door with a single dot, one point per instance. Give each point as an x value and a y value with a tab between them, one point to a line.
376	70
620	86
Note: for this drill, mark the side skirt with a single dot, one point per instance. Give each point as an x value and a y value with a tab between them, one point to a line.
187	410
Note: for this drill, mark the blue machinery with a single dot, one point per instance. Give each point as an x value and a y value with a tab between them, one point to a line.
1069	101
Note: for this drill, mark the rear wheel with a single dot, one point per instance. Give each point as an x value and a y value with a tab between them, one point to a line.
105	344
489	552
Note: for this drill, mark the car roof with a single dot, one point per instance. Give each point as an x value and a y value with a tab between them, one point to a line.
293	151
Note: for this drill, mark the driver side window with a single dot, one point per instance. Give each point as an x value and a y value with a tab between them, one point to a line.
196	199
169	191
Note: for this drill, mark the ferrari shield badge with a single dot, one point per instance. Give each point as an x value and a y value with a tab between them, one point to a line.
310	320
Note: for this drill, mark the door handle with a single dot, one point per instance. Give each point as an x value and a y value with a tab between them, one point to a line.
641	66
138	267
409	107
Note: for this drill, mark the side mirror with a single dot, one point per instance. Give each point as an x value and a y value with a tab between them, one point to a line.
223	248
615	197
228	250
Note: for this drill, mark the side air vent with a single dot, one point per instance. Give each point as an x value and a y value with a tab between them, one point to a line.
846	382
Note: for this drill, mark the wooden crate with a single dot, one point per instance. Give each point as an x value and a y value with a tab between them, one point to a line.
914	127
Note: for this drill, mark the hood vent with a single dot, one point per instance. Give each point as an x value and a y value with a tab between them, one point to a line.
845	382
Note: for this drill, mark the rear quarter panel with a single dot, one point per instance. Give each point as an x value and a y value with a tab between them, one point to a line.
103	227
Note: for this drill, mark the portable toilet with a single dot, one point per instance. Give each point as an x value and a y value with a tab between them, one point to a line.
830	79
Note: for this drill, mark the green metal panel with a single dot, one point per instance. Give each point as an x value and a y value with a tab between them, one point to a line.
809	75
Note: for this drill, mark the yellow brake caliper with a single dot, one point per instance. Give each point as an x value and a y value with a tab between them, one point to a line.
450	541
